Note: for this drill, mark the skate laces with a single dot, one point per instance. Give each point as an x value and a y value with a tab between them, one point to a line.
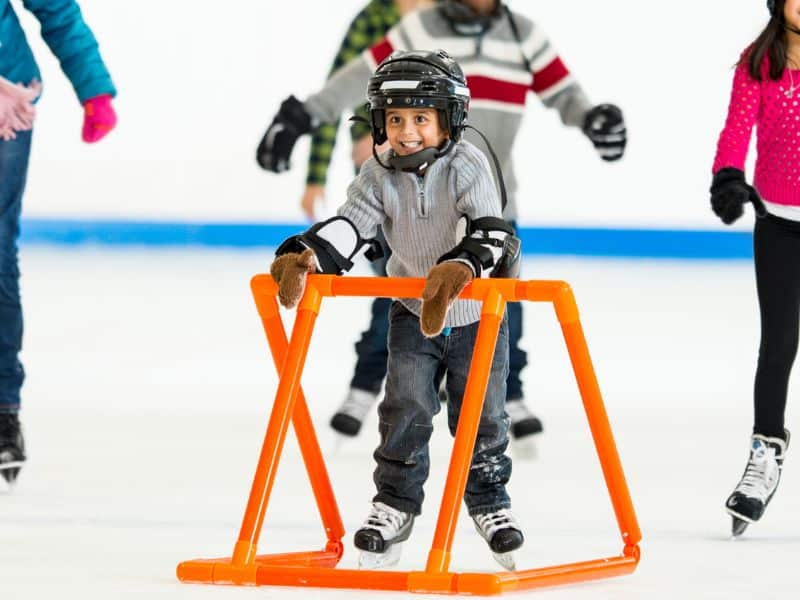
385	520
357	403
490	523
517	411
761	474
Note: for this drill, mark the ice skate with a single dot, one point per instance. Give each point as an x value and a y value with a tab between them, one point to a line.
12	447
348	419
525	427
759	482
380	537
503	534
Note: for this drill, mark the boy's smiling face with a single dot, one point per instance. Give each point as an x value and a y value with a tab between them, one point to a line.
411	129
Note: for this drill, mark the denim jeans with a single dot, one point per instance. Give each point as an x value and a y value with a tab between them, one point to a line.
372	354
411	400
14	156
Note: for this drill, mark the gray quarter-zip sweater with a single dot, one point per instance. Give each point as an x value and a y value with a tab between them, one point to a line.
419	215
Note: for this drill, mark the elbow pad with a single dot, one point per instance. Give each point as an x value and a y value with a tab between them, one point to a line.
334	242
488	245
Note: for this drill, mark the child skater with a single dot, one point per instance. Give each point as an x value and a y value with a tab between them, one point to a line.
766	93
75	46
435	198
505	56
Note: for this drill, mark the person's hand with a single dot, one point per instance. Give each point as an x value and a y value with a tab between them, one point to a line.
276	146
444	283
313	194
99	118
289	272
605	127
729	193
17	110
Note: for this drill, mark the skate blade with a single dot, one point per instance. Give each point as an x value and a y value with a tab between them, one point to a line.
505	560
738	526
378	560
524	448
10	471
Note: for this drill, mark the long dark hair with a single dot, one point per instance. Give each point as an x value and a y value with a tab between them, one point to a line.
771	43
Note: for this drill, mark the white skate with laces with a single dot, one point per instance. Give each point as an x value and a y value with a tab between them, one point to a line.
380	538
759	482
503	534
349	417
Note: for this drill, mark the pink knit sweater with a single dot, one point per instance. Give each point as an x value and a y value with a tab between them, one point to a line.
776	110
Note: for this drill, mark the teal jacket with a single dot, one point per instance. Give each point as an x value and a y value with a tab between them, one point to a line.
67	35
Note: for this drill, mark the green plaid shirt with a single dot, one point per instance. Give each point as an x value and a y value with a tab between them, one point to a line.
368	28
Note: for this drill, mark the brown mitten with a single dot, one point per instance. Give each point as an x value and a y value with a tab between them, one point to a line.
443	285
289	272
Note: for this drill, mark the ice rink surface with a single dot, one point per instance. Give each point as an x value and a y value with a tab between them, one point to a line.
150	383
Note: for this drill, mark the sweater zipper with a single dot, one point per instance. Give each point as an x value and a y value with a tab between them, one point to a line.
423	209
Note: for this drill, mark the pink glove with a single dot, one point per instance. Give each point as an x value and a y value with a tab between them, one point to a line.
98	118
16	107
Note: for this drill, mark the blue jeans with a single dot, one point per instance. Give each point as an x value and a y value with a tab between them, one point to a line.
411	400
372	354
14	156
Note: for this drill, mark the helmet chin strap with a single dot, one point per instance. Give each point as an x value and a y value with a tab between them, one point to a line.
417	162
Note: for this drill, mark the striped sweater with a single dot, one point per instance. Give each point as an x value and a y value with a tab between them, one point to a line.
496	74
419	215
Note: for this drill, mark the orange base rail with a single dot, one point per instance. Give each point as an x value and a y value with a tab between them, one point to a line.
317	568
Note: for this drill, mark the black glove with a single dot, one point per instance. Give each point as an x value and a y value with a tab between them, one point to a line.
729	192
605	127
276	146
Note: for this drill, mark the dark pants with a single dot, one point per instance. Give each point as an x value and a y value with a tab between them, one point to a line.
14	156
372	354
411	400
776	244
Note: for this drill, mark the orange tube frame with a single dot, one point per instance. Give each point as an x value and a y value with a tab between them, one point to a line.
316	568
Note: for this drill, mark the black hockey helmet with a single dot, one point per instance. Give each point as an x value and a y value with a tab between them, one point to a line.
419	79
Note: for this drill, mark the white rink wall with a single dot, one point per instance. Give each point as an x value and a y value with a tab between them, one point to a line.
199	81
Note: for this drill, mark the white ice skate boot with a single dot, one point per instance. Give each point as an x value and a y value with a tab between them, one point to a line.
503	534
760	481
380	537
524	428
351	413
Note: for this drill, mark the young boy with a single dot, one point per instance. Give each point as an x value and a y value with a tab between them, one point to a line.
434	196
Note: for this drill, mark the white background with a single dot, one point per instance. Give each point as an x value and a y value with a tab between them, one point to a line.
199	81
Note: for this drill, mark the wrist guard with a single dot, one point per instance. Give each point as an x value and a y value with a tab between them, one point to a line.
334	242
489	246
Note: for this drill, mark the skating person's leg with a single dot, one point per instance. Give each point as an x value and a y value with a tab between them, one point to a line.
405	425
485	494
523	422
778	283
371	357
14	156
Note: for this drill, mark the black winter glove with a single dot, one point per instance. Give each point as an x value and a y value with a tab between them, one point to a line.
729	192
605	127
276	146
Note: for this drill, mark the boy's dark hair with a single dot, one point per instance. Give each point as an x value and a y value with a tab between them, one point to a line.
771	43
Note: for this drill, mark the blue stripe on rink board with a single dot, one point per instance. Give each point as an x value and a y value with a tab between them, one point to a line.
608	242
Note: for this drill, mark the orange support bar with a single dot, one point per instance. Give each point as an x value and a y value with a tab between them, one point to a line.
317	567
